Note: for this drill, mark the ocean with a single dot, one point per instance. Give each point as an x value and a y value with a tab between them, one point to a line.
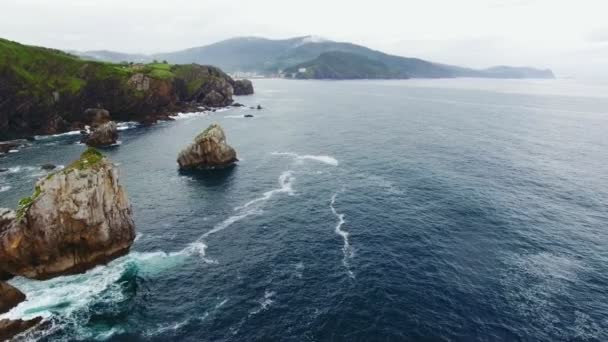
417	210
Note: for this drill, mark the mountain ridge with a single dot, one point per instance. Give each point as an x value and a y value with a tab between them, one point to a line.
266	57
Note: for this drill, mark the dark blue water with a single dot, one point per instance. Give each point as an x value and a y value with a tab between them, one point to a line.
360	211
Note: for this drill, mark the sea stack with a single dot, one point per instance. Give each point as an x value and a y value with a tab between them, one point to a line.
104	135
208	151
76	219
243	87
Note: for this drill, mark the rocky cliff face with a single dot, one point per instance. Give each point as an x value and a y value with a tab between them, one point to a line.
44	91
10	329
209	150
104	135
76	219
9	297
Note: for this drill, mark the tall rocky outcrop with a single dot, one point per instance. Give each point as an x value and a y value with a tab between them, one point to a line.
243	87
209	150
103	135
76	219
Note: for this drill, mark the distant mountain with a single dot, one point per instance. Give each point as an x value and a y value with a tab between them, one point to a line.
271	57
342	65
114	57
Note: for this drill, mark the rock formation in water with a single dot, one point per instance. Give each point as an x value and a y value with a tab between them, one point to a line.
12	328
243	87
77	218
209	150
103	135
97	117
9	297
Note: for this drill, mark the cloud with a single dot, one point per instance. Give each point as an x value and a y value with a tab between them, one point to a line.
599	36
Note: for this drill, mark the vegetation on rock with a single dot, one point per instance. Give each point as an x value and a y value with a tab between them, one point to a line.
45	91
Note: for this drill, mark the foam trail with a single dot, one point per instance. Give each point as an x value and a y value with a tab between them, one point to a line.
227	223
285	181
346	248
329	160
42	137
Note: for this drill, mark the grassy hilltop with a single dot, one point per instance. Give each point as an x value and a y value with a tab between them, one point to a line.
46	91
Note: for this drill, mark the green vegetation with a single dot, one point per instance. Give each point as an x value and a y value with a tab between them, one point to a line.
343	65
41	71
89	158
26	202
44	91
204	133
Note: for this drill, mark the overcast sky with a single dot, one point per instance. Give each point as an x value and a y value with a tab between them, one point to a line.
569	36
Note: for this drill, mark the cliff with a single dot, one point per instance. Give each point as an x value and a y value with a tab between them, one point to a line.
44	91
76	218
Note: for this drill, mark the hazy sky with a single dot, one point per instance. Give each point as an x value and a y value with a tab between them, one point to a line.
569	36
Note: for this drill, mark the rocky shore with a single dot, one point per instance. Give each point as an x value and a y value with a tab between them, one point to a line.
50	92
77	218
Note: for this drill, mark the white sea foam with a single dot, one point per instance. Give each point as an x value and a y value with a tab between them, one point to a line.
5	188
122	126
286	180
248	209
228	222
42	137
69	296
347	250
535	282
300	158
183	116
265	302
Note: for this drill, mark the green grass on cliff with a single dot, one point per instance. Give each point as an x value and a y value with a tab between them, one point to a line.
41	71
26	202
89	158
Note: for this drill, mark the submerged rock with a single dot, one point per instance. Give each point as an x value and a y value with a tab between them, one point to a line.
236	104
9	297
243	87
10	328
248	115
104	135
48	167
7	146
76	219
209	150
